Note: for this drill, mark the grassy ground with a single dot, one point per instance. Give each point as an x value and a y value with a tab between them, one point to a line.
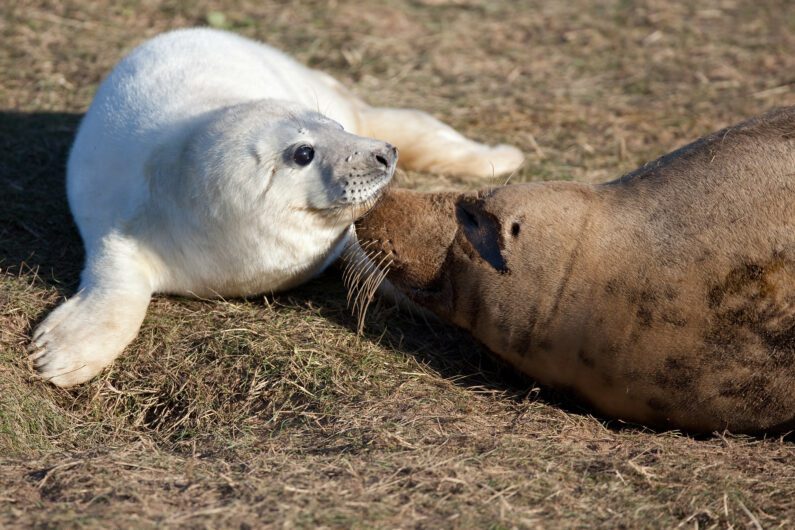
273	410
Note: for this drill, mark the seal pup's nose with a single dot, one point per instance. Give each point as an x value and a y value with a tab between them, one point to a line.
386	156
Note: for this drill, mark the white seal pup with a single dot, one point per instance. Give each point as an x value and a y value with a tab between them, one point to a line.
202	168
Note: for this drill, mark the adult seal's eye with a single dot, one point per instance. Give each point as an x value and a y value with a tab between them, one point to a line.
304	155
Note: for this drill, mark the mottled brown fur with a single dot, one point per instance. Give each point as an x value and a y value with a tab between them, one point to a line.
665	297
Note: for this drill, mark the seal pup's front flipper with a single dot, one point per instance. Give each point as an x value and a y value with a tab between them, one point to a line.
88	331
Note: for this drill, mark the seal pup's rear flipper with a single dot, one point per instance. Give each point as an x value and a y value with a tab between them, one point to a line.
426	144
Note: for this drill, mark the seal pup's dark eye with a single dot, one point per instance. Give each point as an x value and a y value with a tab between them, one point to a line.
304	155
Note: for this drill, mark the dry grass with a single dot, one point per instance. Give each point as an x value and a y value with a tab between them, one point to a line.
273	411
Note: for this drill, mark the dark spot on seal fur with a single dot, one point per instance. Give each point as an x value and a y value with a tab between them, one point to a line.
657	405
754	310
648	296
612	286
515	228
608	351
670	293
674	319
735	281
585	359
645	317
755	385
644	300
676	375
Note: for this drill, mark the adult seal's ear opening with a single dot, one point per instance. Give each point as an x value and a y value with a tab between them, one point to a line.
665	297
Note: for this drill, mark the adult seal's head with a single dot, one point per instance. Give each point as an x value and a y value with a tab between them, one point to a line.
666	297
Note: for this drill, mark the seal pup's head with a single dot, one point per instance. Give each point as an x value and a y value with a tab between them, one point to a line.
261	196
280	157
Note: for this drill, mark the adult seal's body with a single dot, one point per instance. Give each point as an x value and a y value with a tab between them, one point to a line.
666	297
202	168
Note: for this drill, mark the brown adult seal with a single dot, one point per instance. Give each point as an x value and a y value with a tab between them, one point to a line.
666	297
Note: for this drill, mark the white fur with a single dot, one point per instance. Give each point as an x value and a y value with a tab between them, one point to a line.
178	183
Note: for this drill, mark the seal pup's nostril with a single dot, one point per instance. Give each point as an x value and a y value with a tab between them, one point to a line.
386	156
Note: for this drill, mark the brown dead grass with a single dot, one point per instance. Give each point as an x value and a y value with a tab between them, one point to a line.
272	411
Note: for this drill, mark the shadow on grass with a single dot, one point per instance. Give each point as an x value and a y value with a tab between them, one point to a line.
446	350
36	229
